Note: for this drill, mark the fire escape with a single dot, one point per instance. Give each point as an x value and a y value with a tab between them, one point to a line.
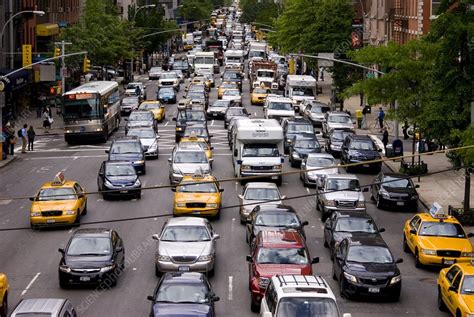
399	22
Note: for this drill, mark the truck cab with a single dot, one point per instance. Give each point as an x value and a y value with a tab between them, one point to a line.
257	149
300	88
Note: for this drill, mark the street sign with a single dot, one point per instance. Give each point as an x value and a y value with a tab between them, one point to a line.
27	56
325	63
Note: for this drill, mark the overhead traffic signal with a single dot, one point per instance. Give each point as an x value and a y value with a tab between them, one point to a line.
86	65
57	52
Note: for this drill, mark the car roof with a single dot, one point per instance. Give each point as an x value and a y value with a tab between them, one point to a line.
302	286
365	239
118	163
304	136
127	138
97	232
40	305
427	217
189	146
274	208
177	277
186	221
297	121
261	185
280	239
352	214
395	175
321	155
141	111
359	137
342	176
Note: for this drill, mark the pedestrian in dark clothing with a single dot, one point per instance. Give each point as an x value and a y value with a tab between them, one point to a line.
10	138
365	111
405	131
380	117
39	108
385	138
31	137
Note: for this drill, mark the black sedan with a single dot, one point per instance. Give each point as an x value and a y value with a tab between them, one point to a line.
395	191
118	179
183	294
301	145
343	224
92	256
364	266
273	217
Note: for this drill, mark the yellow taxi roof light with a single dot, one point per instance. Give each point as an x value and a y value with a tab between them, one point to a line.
436	211
59	179
198	173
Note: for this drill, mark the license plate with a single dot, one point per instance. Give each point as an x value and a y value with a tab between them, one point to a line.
274	177
448	262
50	221
196	212
183	268
366	165
374	290
123	191
84	278
400	203
214	114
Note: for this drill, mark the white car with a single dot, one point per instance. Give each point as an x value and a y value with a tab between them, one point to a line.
154	73
276	107
337	120
310	175
131	89
148	138
233	95
169	79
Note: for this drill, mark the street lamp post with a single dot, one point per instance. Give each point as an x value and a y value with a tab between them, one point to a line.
147	6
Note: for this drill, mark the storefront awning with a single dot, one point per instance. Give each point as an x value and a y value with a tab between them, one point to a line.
14	81
47	29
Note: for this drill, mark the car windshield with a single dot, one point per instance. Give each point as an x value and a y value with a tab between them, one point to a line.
168	75
369	254
229	86
126	147
130	101
120	170
277	219
339	119
353	224
395	182
196	131
149	106
320	109
198	188
303	91
307	144
230	75
166	91
367	145
320	162
192	115
280	106
142	133
282	256
133	86
340	135
468	285
89	246
221	104
293	128
185	234
307	307
188	157
231	92
182	292
235	111
260	91
262	194
441	229
342	184
140	116
61	193
260	150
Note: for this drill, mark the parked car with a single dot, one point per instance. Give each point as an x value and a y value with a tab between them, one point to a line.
118	179
360	149
396	191
310	175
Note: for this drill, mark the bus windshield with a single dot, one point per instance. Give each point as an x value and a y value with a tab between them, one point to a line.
82	109
204	60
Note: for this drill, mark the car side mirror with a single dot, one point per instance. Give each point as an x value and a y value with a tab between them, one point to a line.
303	164
149	297
32	198
155	237
119	249
412	231
399	260
169	160
470	235
381	230
61	250
379	150
304	223
101	173
365	189
267	314
453	289
215	236
215	298
417	186
283	197
174	119
212	148
315	260
249	258
346	315
107	151
241	196
173	189
221	190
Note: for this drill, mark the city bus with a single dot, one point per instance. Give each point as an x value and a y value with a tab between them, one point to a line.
91	111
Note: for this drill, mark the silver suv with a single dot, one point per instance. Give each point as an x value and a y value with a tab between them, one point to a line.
340	192
299	295
186	159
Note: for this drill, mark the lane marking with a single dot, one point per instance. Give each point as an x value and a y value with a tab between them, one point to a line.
166	124
230	296
212	122
30	284
307	189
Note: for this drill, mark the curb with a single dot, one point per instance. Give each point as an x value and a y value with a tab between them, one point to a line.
6	162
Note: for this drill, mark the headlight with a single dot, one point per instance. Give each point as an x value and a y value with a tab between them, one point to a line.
361	204
164	258
277	167
176	171
289	141
153	146
211	205
428	251
69	212
330	203
137	183
64	268
108	184
384	193
350	277
207	257
35	214
179	129
180	204
107	268
395	279
468	254
139	162
295	154
245	167
263	282
414	197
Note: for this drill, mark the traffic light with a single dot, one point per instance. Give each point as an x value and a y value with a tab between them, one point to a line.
86	65
57	52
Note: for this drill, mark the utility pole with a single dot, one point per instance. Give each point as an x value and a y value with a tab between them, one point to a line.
63	64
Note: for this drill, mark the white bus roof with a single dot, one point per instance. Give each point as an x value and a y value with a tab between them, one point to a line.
204	54
234	53
259	131
94	87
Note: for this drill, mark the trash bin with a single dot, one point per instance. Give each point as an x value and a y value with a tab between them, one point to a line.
397	146
359	118
389	151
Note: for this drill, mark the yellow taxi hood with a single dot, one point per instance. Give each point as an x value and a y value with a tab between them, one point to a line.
53	205
443	243
468	299
197	197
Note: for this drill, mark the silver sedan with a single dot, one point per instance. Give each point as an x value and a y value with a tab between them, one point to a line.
316	167
186	244
257	193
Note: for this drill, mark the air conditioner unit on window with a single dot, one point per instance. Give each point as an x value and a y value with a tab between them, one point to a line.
60	9
68	9
48	9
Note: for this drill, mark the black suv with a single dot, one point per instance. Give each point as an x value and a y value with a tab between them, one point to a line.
128	149
292	127
185	117
359	149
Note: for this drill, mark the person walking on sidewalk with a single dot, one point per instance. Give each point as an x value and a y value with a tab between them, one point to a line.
10	138
405	130
23	135
31	137
365	111
46	121
381	117
385	138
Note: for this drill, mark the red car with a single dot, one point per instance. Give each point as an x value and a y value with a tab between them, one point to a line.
276	252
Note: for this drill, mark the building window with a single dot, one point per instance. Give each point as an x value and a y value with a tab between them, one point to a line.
434	7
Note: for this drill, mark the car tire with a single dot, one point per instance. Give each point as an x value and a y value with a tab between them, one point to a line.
406	248
84	211
4	308
157	271
77	222
293	164
63	284
254	307
417	260
342	288
211	272
138	195
378	204
441	304
279	181
326	244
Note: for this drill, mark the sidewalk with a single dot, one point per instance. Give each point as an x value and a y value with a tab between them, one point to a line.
445	188
57	127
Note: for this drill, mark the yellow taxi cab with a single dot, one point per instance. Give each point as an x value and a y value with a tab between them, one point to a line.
436	239
60	202
224	86
456	289
201	141
258	96
202	80
194	198
4	287
155	107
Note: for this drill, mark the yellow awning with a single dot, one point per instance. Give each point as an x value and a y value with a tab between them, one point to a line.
47	29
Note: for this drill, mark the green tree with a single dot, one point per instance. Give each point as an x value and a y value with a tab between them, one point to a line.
260	11
196	10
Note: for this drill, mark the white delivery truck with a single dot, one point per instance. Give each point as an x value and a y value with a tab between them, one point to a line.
204	61
257	149
234	59
299	88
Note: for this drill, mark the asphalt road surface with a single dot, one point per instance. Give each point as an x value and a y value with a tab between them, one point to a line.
30	258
